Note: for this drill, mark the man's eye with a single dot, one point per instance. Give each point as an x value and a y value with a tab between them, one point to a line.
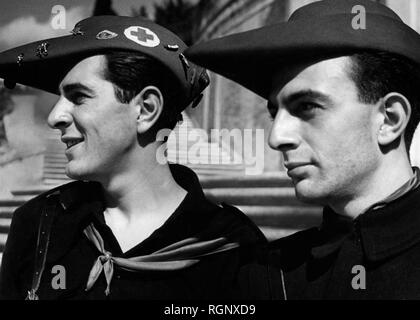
306	108
78	98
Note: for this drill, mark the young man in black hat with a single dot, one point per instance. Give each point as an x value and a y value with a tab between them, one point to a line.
130	227
345	103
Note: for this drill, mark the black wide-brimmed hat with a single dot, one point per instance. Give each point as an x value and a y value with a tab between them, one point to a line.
43	64
322	28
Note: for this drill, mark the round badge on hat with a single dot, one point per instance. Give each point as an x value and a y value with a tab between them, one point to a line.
143	36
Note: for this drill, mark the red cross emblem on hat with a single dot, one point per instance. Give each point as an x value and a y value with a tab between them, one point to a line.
142	36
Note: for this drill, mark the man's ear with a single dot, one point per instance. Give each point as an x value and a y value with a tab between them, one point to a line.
396	111
149	105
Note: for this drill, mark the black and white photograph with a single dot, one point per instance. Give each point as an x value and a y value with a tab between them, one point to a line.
216	157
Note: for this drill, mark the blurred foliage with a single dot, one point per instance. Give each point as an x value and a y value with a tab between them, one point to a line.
140	12
177	16
103	8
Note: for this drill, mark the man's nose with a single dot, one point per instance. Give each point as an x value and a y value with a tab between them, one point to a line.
60	116
284	134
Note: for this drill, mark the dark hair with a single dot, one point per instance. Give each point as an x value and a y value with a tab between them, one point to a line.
130	72
378	73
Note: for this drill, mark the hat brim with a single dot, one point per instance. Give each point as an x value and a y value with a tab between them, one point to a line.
252	58
43	64
46	73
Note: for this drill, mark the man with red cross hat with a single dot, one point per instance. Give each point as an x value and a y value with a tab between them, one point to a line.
341	78
131	226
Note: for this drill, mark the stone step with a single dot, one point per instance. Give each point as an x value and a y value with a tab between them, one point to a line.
5	225
246	181
31	190
14	202
3	238
55	161
54	166
7	211
255	196
55	156
55	182
59	176
49	170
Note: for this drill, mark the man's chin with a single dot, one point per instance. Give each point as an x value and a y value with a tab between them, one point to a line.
308	194
75	174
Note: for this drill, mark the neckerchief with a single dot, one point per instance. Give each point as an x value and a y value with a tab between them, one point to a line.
176	256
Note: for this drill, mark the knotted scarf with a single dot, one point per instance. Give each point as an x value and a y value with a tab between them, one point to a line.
176	256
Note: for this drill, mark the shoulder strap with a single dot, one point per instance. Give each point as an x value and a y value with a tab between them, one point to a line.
44	231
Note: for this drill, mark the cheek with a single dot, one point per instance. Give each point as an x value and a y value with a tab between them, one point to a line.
350	140
112	134
357	153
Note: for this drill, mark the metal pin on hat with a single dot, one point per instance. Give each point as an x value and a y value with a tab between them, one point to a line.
172	47
42	50
19	60
77	31
184	60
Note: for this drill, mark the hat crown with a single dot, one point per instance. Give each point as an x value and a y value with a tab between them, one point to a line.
324	8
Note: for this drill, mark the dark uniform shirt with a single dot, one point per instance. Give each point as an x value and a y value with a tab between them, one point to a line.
375	256
80	203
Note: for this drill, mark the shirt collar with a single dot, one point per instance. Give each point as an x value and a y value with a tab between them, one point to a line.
80	201
391	229
386	228
83	201
74	194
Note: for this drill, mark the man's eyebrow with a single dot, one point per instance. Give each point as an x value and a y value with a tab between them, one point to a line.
306	94
71	87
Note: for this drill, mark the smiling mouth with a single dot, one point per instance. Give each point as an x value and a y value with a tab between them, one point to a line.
73	142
